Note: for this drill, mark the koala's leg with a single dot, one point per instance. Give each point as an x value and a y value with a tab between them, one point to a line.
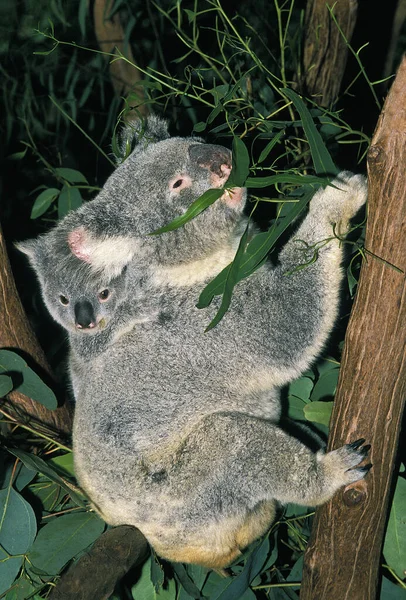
225	479
255	460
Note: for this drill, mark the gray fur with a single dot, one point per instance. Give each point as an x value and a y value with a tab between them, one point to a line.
176	431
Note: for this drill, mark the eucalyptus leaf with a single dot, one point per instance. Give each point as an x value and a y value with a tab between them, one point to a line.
36	463
186	582
318	412
270	146
198	206
62	539
31	385
391	591
323	163
69	199
326	385
71	175
157	573
394	548
6	385
18	527
43	202
241	164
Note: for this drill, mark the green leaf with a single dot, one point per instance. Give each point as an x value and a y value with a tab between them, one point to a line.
31	385
186	582
198	206
394	548
18	155
326	385
301	388
300	180
391	591
21	475
270	145
231	281
239	585
62	539
69	199
157	573
255	254
35	463
143	589
43	202
295	408
18	527
71	175
199	127
318	412
6	385
63	463
21	590
241	164
323	163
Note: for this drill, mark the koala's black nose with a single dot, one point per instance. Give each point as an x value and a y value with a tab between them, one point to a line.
84	315
210	156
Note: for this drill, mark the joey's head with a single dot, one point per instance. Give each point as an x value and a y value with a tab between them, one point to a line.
82	301
158	181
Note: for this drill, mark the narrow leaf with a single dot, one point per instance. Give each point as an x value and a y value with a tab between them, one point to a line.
323	163
35	463
271	145
241	164
198	206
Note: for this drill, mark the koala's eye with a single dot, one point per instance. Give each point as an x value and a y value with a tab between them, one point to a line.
177	184
104	295
63	300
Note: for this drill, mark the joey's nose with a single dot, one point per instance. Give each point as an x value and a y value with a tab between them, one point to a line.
210	156
84	315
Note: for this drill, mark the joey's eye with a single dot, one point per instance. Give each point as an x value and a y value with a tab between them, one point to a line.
104	295
63	300
177	184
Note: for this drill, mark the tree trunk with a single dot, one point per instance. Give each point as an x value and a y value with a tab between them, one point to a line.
343	556
124	77
16	334
325	52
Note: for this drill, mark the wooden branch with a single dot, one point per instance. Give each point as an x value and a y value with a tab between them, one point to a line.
325	52
343	556
96	574
110	34
16	334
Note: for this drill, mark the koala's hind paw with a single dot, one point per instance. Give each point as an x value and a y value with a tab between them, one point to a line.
342	463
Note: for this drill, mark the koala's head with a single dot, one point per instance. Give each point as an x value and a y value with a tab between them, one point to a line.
159	180
82	301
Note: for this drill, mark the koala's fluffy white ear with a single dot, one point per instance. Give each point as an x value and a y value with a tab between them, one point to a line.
108	255
142	132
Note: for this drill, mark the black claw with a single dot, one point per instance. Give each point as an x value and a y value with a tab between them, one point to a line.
355	445
366	468
365	449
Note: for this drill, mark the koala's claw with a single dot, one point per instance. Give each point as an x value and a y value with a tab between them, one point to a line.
355	445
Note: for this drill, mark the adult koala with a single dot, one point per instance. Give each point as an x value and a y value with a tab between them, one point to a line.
176	430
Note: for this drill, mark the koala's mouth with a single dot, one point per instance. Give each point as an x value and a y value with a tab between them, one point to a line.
91	328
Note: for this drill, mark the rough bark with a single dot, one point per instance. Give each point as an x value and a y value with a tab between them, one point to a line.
325	52
110	34
16	334
96	573
343	556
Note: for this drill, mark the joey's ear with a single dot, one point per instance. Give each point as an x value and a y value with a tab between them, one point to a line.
141	133
107	255
35	250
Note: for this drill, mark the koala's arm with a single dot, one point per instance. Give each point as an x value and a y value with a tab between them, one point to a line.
289	312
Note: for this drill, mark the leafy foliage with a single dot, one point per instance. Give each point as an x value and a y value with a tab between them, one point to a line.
229	75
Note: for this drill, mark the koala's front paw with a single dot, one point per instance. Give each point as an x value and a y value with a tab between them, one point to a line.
340	463
340	203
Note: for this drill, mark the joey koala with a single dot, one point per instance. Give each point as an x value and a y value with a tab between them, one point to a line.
177	431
